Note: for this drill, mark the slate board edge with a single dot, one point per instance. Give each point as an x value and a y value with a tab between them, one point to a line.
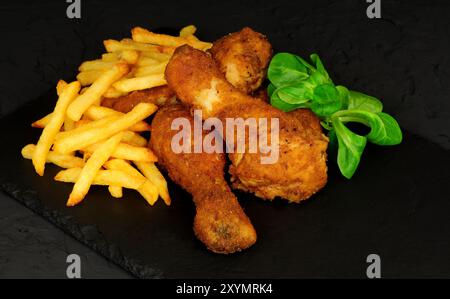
69	225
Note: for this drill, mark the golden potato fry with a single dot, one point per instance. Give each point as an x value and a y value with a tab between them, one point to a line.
54	126
68	124
60	86
41	123
188	30
147	190
152	173
86	156
151	69
84	125
88	77
129	137
82	122
142	35
145	61
99	112
108	57
96	65
115	191
156	55
127	152
94	93
79	140
113	93
130	56
133	138
103	178
90	169
150	81
64	161
128	44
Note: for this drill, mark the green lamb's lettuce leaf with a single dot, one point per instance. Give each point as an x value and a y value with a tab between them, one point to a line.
351	147
295	83
326	100
384	130
358	100
286	69
278	103
295	94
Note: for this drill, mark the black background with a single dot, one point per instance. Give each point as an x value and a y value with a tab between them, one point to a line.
402	58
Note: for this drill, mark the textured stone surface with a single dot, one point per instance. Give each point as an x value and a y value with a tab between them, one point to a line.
31	247
402	59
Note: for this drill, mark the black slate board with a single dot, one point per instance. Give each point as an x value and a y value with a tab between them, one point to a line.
396	206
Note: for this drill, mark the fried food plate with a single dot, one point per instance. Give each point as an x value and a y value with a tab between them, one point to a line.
326	236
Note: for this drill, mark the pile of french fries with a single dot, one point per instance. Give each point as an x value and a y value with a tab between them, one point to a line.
97	145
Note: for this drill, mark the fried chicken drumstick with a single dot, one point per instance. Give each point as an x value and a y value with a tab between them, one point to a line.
301	167
243	57
220	222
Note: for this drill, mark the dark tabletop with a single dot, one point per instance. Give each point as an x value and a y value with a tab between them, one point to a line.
402	58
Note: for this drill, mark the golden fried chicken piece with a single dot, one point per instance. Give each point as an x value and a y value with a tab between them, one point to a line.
300	170
243	57
220	222
157	95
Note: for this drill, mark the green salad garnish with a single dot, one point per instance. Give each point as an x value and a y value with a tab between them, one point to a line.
295	83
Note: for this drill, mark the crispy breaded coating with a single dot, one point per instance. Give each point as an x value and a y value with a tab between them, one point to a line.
243	57
220	222
301	168
158	95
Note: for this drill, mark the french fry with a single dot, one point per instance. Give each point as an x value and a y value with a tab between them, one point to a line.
151	69
68	124
144	61
102	177
99	112
129	136
54	126
156	55
126	151
79	140
96	90
142	35
152	173
86	156
150	81
90	169
96	65
111	56
88	77
78	124
188	30
147	190
41	123
130	56
113	93
60	86
128	44
84	125
64	161
115	191
133	138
